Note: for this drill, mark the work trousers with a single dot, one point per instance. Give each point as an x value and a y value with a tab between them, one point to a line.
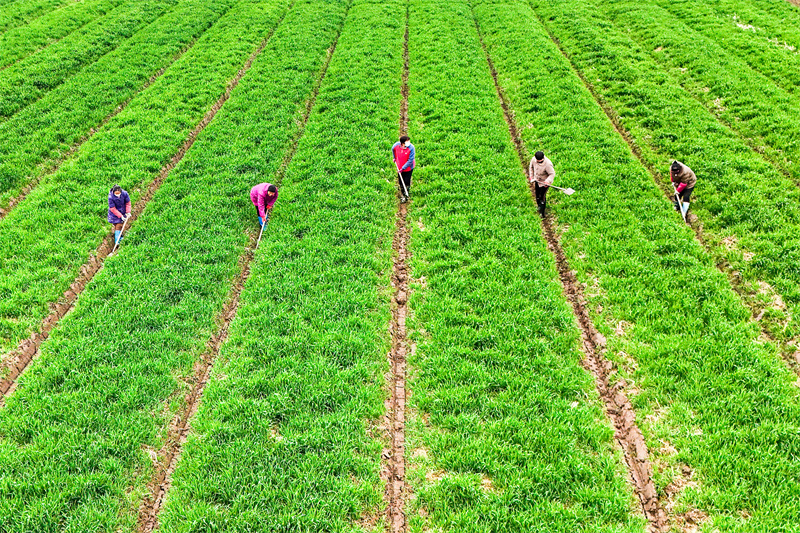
686	193
541	195
406	178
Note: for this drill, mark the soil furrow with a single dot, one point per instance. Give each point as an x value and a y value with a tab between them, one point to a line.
53	166
181	424
393	471
618	407
787	347
27	350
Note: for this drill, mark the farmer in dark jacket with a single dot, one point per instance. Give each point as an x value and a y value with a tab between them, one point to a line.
684	180
119	209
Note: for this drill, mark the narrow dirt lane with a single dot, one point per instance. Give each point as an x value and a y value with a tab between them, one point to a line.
618	407
181	424
394	467
27	350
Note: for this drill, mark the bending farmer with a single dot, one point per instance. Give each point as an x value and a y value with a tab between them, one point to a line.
119	209
403	154
684	180
263	197
541	173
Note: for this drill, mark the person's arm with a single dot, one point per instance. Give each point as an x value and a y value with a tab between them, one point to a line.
530	170
410	163
680	187
261	206
550	171
394	154
113	208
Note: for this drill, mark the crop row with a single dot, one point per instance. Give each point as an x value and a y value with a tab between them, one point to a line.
29	79
510	434
14	14
49	129
765	35
25	40
46	238
750	212
78	431
716	404
748	102
285	438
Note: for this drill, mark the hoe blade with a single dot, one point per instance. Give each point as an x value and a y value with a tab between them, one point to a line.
569	192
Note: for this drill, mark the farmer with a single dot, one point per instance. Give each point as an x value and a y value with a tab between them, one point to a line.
119	209
541	173
403	154
684	180
263	197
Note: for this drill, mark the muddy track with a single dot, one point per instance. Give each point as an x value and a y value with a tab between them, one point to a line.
181	424
393	470
27	350
52	166
618	407
789	348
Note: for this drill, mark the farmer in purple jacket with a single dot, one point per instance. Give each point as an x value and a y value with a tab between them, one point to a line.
263	197
119	209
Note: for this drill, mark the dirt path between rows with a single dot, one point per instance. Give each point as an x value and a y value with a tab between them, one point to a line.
618	407
51	167
28	349
393	470
179	429
788	348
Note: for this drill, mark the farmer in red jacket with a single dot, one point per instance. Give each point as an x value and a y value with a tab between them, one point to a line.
263	197
684	180
119	209
403	153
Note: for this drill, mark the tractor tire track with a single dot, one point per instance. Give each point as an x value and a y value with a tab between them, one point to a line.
52	166
180	426
393	470
788	348
28	349
618	407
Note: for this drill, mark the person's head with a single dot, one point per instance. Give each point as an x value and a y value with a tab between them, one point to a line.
539	156
676	167
404	140
116	190
272	190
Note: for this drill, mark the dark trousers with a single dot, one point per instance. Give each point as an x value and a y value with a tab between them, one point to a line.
684	195
541	196
406	179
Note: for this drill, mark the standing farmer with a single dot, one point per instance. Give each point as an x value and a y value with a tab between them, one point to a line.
263	197
541	173
119	209
403	154
684	180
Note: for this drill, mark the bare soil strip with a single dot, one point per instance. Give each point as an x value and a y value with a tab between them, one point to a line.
28	349
181	424
52	166
787	348
618	407
393	471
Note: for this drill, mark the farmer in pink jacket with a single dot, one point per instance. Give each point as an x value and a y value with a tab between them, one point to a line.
263	197
119	209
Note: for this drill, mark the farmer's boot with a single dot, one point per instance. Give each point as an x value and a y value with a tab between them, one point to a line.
116	236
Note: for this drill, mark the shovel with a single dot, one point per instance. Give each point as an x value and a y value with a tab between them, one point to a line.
116	244
568	191
264	225
680	203
400	175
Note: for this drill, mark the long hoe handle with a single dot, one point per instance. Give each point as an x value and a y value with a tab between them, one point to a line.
400	175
